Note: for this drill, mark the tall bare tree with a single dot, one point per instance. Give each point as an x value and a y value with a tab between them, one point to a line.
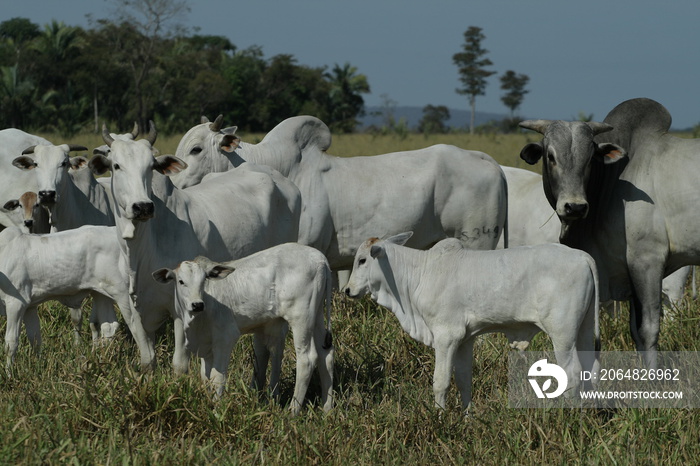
472	65
152	21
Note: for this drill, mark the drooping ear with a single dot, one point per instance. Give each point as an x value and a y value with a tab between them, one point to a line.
78	162
532	152
163	275
219	271
400	239
169	165
376	251
229	143
610	153
24	163
11	205
100	164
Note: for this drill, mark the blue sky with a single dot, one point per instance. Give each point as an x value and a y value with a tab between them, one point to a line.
584	56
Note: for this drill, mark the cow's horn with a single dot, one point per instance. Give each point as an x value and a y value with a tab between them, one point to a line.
106	137
216	126
72	147
28	150
599	128
152	133
135	131
536	125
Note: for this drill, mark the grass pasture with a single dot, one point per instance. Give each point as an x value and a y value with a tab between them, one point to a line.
77	405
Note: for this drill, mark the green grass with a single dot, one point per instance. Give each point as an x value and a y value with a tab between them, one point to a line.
79	405
76	405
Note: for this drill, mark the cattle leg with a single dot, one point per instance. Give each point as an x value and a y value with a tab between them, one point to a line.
76	317
104	316
444	361
567	359
180	355
645	309
14	310
324	364
306	357
585	343
463	366
31	323
144	340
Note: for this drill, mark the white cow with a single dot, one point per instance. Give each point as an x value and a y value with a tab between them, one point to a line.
531	220
12	184
64	266
265	293
66	188
438	192
446	296
230	216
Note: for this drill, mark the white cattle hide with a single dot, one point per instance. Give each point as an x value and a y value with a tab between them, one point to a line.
446	296
265	293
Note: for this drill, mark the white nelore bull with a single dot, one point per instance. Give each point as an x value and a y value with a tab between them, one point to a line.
446	296
265	293
438	192
65	266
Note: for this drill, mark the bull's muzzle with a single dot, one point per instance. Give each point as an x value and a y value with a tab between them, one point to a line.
142	210
47	197
197	307
575	210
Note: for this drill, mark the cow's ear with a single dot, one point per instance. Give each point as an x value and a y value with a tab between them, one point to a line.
78	162
229	143
532	152
24	163
401	238
218	271
169	165
11	205
376	251
164	275
610	153
100	164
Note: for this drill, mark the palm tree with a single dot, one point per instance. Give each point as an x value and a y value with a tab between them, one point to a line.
345	99
15	96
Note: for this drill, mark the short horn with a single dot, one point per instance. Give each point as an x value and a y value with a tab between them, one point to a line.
73	147
216	126
152	133
135	131
599	128
106	137
536	125
28	150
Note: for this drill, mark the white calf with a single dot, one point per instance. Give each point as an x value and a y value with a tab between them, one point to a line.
263	293
446	296
66	266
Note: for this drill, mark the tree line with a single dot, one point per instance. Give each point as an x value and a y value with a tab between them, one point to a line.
68	79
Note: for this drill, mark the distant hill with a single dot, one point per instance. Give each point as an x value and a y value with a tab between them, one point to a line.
413	115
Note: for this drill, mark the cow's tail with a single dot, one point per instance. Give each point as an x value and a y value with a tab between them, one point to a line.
328	339
596	306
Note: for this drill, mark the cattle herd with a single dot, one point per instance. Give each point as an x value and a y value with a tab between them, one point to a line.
227	238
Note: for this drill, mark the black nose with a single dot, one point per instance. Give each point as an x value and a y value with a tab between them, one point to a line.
347	291
29	223
576	210
142	210
198	306
47	197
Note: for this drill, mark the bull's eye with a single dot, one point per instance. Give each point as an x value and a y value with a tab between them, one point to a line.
196	150
550	158
181	282
64	163
115	166
362	261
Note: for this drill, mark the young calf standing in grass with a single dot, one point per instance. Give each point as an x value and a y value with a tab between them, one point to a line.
446	296
264	293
